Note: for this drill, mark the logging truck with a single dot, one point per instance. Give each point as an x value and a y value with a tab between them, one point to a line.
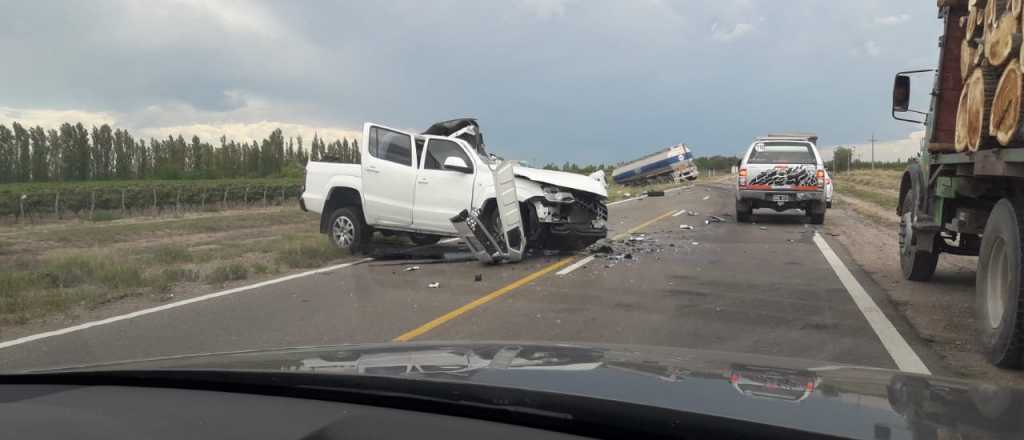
964	194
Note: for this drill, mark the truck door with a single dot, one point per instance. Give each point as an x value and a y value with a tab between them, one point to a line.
442	192
389	176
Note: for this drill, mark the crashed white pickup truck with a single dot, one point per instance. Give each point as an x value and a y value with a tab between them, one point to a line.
443	183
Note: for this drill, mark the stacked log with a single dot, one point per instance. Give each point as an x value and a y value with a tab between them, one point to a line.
989	113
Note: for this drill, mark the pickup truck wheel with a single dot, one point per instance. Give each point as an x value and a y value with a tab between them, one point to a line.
347	230
424	239
818	219
998	285
743	212
916	265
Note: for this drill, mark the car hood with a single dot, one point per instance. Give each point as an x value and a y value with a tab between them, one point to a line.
814	396
563	179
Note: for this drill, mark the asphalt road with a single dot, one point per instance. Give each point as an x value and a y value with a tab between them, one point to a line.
760	288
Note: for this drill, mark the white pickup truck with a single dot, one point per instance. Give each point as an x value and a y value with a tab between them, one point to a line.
416	184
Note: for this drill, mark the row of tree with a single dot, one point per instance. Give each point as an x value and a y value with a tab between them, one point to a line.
75	153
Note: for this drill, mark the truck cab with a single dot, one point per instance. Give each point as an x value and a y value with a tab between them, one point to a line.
782	172
415	184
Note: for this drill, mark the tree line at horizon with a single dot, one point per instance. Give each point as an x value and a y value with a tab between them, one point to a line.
73	152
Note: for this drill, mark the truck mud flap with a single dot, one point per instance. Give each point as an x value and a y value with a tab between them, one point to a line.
492	246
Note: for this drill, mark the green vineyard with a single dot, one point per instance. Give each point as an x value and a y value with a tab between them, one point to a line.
29	202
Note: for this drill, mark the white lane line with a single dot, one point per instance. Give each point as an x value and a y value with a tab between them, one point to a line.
575	266
169	306
679	213
897	347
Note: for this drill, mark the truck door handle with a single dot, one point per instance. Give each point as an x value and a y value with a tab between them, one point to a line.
372	169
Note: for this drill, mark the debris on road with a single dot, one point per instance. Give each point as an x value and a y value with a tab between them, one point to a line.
694	243
655	193
686	227
412	268
764	228
638	237
600	247
434	285
479	277
713	219
834	234
706	197
692	213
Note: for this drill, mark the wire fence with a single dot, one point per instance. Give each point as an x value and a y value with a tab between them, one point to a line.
35	205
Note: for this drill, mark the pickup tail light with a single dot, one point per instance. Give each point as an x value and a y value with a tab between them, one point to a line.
821	178
743	177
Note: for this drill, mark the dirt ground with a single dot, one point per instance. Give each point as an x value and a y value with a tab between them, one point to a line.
941	310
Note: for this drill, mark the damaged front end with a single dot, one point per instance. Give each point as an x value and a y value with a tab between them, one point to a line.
569	219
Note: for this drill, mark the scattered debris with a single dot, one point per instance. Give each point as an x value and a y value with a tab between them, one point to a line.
600	247
654	193
694	243
764	228
692	213
714	219
628	256
834	234
791	240
638	237
434	285
706	197
687	227
412	268
627	194
479	277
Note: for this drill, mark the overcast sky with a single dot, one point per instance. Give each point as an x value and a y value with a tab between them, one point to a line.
550	80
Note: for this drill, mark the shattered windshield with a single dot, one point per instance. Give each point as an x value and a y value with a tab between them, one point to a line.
309	180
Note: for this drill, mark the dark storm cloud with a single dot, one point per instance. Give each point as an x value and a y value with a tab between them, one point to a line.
588	81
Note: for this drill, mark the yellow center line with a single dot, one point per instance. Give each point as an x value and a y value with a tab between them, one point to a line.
482	300
441	320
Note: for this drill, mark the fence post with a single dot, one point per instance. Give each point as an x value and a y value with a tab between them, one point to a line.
177	202
21	206
282	196
154	201
56	205
92	204
202	201
245	197
224	203
122	202
264	196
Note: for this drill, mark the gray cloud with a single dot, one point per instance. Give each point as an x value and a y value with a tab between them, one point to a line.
550	80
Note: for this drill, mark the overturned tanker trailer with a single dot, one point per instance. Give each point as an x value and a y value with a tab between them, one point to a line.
444	183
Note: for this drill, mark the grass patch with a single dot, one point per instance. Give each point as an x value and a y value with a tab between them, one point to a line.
305	253
104	216
168	278
171	254
884	199
227	272
92	235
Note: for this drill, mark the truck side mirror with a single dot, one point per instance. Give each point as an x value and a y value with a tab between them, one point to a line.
901	94
455	163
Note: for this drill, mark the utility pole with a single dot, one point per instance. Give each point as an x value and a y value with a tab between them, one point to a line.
849	162
872	151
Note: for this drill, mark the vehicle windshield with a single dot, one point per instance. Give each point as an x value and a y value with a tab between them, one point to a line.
182	177
781	153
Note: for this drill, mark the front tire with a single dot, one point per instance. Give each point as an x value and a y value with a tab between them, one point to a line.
347	230
916	265
998	285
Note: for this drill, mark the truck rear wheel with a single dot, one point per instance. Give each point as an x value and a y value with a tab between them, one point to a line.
998	285
347	231
743	211
917	265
